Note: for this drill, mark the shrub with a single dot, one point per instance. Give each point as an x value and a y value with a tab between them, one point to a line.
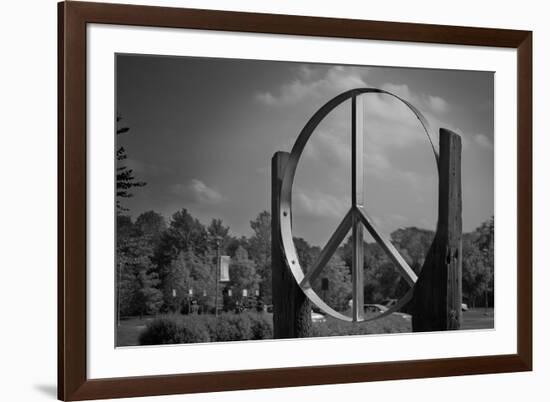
160	331
261	326
192	329
231	327
319	329
206	328
170	330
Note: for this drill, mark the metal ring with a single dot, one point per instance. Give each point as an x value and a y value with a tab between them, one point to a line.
285	204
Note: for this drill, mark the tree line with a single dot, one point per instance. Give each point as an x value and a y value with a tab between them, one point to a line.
158	262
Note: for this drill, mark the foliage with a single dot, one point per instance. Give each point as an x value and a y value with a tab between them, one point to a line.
125	179
242	272
151	225
183	242
176	283
168	330
160	331
193	328
231	327
184	233
216	229
158	264
306	254
339	283
137	283
194	331
413	243
260	252
261	325
233	243
187	272
478	261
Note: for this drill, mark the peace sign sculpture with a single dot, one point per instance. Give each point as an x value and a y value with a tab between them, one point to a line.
354	219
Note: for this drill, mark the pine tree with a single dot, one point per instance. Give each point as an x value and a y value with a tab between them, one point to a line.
125	179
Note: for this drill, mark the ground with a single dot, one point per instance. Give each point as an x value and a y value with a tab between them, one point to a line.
479	318
129	329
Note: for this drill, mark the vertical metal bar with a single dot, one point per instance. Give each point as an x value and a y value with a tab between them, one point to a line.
357	193
357	201
357	268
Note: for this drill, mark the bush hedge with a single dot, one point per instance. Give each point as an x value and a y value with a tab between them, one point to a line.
261	326
231	327
160	331
194	328
171	329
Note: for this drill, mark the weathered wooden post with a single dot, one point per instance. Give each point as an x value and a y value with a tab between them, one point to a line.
291	308
437	298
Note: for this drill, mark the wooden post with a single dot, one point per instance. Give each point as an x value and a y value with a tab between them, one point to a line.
437	296
291	308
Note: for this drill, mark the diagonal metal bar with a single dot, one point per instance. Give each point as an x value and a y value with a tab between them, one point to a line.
328	251
389	248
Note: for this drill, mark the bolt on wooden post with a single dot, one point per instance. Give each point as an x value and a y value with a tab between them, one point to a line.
291	308
437	299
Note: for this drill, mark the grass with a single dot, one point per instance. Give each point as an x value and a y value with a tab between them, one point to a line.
478	318
387	325
130	328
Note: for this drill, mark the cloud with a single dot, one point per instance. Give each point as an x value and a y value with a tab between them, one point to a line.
196	191
307	86
437	104
384	115
320	204
328	145
390	126
483	141
425	102
400	90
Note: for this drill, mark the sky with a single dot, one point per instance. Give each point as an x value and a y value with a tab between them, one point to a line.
203	132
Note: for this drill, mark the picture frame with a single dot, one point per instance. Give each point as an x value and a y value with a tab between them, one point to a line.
73	380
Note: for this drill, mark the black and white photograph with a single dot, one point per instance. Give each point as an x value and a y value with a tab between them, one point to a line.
260	200
243	201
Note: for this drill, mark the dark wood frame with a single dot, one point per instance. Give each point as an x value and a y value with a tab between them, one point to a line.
73	383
